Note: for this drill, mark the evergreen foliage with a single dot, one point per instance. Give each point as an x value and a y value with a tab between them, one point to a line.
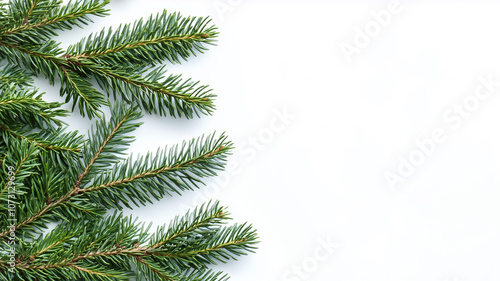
51	175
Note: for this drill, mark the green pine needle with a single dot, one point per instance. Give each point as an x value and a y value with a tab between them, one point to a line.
52	176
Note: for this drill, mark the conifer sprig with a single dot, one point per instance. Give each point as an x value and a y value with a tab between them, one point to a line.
25	116
49	174
166	172
108	140
144	41
95	183
108	249
14	77
117	59
156	94
35	21
27	107
24	162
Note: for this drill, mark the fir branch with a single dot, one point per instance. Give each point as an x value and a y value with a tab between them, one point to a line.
30	11
57	141
23	111
172	95
109	139
107	144
116	240
202	218
73	182
24	11
47	60
11	76
63	143
38	215
170	171
46	16
224	244
22	157
25	116
142	41
150	271
180	169
52	243
38	59
82	92
156	94
27	107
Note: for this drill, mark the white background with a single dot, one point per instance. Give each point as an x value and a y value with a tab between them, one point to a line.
321	175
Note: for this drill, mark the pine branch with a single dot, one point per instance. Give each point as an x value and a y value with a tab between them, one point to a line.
11	76
62	178
23	160
201	218
42	213
156	94
210	248
47	61
28	108
107	144
58	141
22	12
44	58
178	38
149	271
43	17
75	251
181	38
172	95
82	92
169	171
109	139
25	116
